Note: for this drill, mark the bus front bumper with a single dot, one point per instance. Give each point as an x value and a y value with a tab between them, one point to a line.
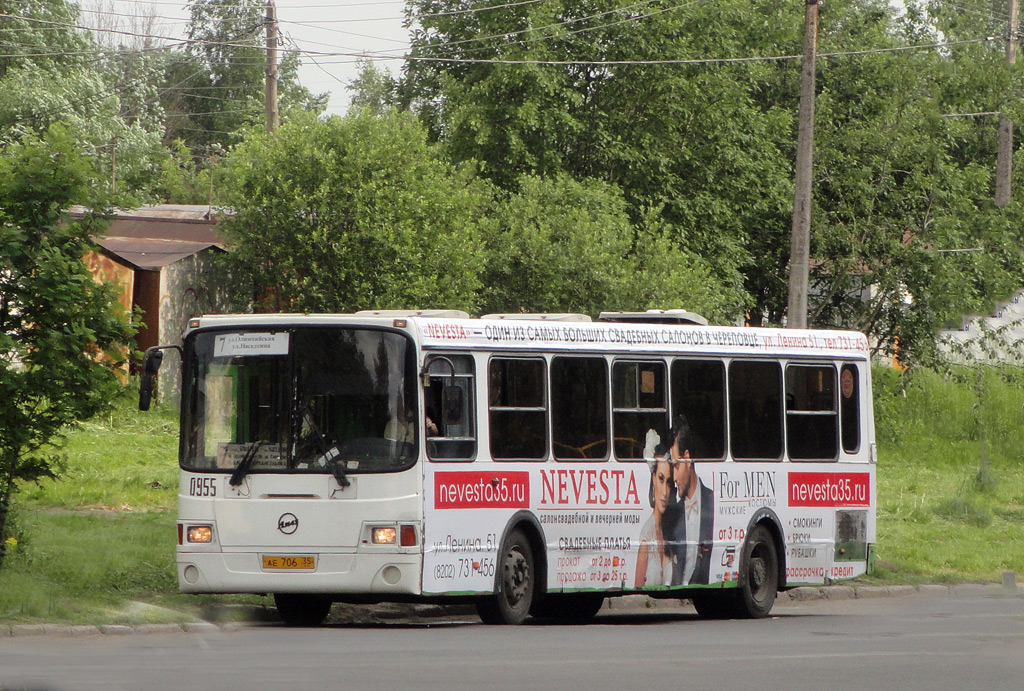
331	573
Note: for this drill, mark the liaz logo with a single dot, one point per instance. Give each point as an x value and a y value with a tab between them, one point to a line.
288	523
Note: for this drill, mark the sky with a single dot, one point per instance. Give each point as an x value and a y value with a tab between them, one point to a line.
333	33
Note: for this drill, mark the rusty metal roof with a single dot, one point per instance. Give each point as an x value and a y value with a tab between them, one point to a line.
181	222
151	253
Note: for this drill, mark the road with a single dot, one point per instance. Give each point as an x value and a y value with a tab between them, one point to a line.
973	641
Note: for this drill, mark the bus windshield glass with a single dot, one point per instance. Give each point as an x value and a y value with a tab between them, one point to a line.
299	400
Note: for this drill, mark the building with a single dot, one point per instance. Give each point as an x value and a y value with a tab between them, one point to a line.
165	258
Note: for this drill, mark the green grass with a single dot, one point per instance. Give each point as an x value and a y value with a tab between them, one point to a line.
950	475
125	460
97	545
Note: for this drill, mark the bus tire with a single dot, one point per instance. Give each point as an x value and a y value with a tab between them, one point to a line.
758	577
511	602
714	605
298	609
574	607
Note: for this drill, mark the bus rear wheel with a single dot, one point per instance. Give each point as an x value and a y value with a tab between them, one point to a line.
302	610
516	582
573	607
759	575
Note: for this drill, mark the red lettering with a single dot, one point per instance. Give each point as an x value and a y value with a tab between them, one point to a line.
631	491
597	487
577	487
547	488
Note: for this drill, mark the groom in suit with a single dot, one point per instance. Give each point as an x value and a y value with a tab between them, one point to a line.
691	514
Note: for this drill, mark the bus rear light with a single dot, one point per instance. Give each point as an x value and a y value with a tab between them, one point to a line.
408	534
181	534
383	535
200	533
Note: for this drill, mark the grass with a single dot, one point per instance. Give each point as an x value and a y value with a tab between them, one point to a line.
950	474
97	546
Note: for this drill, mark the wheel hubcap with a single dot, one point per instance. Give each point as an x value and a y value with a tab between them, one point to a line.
517	577
757	574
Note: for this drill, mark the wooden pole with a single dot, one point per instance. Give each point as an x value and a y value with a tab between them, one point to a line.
1004	159
799	257
273	119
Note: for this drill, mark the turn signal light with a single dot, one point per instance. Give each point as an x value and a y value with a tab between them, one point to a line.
408	536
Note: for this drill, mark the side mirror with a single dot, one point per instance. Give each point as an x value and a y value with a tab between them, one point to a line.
451	405
154	358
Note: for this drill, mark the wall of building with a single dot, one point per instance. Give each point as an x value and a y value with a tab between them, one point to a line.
191	287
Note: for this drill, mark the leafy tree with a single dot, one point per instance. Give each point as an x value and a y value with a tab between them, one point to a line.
215	89
708	146
898	184
558	245
374	88
62	334
705	145
353	213
54	72
41	32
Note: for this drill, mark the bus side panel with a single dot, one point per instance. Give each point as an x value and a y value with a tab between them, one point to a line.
595	517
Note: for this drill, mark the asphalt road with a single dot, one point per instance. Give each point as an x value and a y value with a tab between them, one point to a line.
968	641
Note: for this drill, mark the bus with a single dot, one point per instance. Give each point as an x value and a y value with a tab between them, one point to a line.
533	465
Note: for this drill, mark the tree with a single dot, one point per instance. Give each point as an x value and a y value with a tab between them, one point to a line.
540	89
373	88
560	245
703	144
216	87
353	213
62	334
899	183
53	71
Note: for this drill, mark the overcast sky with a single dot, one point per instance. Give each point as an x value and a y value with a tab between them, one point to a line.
332	32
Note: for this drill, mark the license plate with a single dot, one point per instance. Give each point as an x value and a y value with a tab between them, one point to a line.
289	561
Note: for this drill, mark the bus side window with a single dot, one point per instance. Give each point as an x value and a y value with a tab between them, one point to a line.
517	409
698	392
755	410
639	404
812	423
450	409
579	408
849	407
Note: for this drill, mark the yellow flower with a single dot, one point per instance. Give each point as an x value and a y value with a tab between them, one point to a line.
11	543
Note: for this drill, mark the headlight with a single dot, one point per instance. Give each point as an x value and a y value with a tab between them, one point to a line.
200	533
383	536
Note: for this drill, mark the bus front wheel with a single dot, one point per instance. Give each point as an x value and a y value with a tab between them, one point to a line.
302	610
759	575
511	603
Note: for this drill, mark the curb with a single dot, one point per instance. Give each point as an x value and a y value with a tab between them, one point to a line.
259	616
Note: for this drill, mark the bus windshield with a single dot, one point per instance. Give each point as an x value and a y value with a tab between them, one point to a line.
299	400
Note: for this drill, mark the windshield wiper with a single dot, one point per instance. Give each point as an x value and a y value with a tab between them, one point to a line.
328	456
245	464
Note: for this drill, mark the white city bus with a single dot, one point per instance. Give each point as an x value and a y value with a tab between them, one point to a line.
529	465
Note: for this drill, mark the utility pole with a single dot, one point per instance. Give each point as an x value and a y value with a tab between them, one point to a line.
273	120
1004	159
799	255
